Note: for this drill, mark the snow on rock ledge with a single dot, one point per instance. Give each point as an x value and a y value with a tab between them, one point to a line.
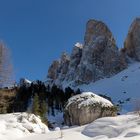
79	45
87	107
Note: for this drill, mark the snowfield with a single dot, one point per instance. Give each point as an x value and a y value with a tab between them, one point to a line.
123	127
123	85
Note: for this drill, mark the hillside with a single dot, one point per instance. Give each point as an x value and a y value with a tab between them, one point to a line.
119	87
99	66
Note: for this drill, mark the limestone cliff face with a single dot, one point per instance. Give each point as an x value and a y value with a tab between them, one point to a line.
100	57
97	58
132	42
53	70
59	68
75	59
95	29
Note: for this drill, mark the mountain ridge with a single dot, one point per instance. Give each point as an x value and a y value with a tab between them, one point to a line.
98	58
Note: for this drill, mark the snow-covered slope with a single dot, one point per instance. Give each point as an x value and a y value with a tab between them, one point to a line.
125	84
123	127
120	126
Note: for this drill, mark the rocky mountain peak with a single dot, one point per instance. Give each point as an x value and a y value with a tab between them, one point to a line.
64	57
53	70
94	29
99	57
132	42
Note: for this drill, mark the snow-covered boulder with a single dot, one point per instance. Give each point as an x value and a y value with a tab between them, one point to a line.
32	123
17	125
87	107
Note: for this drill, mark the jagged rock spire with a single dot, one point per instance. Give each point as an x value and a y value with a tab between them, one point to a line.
99	57
132	42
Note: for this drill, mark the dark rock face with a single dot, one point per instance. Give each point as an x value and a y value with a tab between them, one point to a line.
53	70
96	29
59	68
64	63
75	59
132	42
99	57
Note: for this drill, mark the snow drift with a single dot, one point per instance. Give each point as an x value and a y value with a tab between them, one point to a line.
17	125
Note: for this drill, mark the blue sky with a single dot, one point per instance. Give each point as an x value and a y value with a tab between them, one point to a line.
37	31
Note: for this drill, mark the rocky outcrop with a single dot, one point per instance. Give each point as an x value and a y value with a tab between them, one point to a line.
87	107
95	29
99	57
132	42
59	68
53	70
75	59
64	63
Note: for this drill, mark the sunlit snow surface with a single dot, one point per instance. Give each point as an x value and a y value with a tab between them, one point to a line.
123	127
125	84
87	98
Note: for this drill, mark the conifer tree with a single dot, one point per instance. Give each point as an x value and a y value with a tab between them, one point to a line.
78	91
35	107
43	111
